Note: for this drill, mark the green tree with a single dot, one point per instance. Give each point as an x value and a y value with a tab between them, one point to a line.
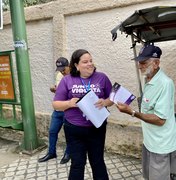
26	3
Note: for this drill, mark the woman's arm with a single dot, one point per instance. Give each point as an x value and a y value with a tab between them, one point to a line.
64	105
103	103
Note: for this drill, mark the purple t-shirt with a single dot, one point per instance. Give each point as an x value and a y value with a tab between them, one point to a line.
70	87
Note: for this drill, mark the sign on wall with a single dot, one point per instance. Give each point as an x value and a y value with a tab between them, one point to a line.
7	92
1	16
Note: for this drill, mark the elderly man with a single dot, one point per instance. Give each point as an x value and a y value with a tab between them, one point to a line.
157	117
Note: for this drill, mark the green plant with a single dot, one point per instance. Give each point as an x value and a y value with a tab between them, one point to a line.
26	3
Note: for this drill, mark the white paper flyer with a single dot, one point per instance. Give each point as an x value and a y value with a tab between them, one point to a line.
121	94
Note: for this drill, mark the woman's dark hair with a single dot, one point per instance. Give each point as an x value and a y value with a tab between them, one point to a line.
75	58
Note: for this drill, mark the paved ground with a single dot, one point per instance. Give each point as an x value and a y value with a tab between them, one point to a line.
15	166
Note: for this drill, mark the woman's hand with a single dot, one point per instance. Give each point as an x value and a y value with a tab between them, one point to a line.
72	102
100	103
64	105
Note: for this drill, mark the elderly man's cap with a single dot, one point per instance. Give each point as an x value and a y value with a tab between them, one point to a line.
61	63
148	51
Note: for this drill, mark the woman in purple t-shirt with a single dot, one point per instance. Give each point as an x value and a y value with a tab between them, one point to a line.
81	135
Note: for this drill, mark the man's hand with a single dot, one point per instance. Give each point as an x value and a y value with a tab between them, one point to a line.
124	108
53	89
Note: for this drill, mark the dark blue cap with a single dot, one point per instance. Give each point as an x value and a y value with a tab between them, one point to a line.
148	51
61	63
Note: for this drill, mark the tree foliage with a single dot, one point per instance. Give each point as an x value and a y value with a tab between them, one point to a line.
26	3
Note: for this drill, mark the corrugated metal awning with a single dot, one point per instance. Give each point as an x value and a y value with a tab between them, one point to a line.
153	24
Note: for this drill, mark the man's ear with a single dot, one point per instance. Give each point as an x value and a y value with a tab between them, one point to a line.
156	63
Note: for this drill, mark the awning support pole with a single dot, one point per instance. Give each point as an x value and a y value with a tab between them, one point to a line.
136	65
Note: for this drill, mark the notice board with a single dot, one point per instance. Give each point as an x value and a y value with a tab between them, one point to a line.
7	90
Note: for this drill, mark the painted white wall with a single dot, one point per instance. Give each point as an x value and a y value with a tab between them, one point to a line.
53	30
42	64
60	27
92	32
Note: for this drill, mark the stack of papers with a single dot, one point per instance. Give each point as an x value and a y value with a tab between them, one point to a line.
87	105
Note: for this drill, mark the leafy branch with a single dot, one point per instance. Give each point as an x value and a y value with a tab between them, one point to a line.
26	3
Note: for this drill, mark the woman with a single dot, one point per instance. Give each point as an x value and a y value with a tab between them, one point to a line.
80	133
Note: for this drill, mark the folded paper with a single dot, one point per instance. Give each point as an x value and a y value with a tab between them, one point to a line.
121	94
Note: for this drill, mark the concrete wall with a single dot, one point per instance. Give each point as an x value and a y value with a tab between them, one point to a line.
60	27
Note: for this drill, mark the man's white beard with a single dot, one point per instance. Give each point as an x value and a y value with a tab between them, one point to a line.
147	72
